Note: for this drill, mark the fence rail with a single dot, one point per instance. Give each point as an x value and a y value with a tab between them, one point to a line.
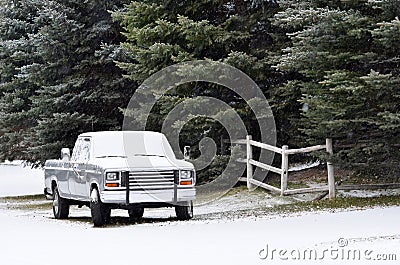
265	166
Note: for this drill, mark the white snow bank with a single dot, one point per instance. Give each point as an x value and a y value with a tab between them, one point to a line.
16	180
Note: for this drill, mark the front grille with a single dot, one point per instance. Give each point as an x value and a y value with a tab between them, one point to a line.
151	180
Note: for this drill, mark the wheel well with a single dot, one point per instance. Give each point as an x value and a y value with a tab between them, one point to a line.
93	186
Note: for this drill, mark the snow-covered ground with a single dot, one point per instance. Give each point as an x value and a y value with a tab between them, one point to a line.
17	179
33	236
30	240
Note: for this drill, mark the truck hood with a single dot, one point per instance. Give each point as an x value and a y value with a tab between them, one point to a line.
141	162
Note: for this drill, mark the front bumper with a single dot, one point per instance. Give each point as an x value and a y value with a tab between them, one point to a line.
148	196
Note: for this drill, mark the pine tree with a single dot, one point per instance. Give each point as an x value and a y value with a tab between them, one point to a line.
348	74
77	85
161	33
17	23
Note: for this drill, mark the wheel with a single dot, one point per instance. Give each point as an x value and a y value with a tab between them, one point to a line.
101	213
135	214
60	205
184	212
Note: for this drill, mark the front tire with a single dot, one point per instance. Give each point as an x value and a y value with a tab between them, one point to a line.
60	205
101	213
184	212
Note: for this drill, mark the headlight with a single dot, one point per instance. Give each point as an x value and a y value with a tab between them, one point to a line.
186	177
185	174
112	176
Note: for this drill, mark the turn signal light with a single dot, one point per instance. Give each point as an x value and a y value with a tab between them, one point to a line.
187	182
112	185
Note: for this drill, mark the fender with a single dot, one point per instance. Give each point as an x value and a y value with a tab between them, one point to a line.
48	191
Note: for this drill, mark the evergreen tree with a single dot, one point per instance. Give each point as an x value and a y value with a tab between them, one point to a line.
345	56
77	86
17	23
162	33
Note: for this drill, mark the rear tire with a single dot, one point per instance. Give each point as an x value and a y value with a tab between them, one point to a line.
135	214
184	212
101	213
60	205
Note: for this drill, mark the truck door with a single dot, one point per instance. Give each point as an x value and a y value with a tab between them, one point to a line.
79	165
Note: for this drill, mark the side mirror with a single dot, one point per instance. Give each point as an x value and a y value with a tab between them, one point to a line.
186	152
65	154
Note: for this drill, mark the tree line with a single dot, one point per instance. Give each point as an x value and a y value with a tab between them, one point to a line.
329	68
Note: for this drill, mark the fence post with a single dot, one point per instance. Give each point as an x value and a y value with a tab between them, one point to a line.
331	176
249	157
285	168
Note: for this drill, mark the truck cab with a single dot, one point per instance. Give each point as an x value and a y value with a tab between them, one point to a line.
129	170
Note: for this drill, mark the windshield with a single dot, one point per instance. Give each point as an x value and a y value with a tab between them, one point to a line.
125	144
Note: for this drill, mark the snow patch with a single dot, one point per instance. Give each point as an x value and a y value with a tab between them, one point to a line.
304	166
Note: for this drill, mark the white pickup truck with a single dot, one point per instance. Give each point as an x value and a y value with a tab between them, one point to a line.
129	170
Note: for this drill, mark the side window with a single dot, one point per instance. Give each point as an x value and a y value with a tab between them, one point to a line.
81	151
85	150
77	150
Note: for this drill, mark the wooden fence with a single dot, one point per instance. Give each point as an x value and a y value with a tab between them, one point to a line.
331	186
283	170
